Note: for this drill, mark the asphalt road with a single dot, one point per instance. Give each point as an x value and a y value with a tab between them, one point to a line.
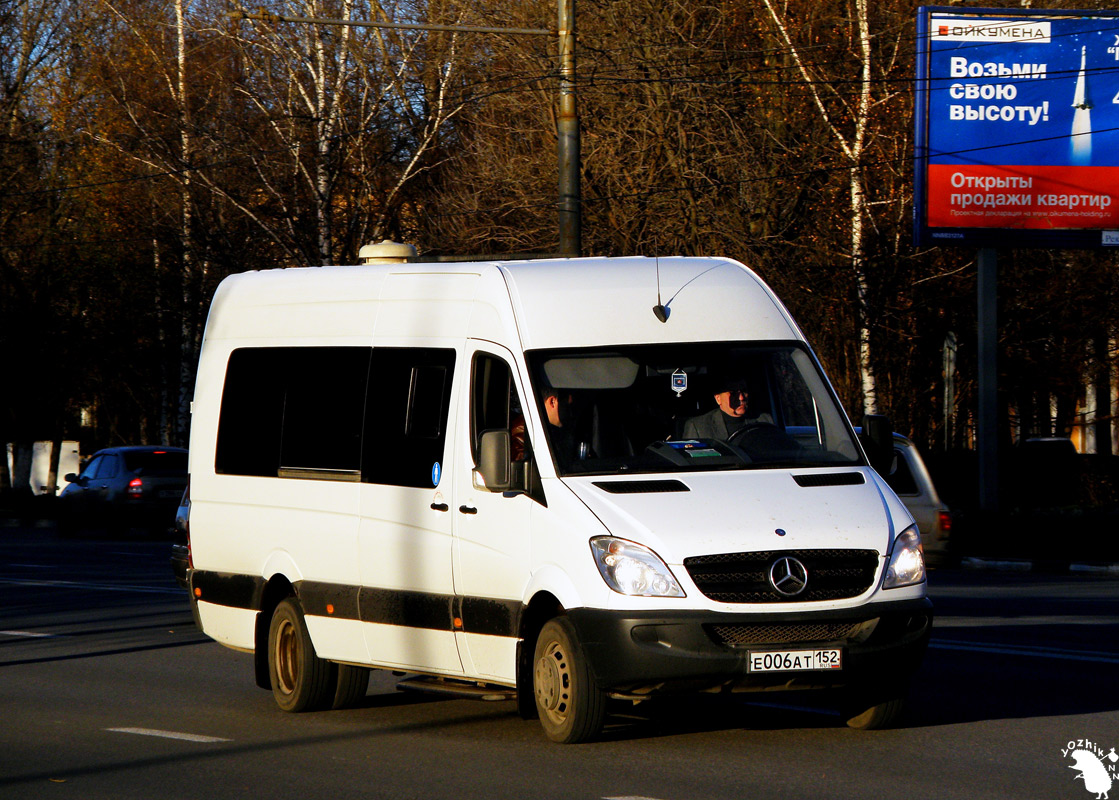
108	691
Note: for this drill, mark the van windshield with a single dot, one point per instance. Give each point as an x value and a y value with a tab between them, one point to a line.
686	407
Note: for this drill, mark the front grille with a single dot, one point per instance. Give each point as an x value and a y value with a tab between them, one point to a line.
804	633
744	577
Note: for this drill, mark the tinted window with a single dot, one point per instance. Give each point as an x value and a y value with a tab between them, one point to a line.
93	467
656	408
110	467
323	409
495	403
322	412
156	461
900	478
287	407
406	415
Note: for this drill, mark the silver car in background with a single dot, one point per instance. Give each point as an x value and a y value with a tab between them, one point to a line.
910	480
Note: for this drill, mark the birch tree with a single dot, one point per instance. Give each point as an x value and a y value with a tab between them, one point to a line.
835	108
337	122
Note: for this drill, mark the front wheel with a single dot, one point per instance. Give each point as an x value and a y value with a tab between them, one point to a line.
571	707
301	681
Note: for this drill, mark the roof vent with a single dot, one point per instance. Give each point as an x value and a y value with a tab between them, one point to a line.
386	252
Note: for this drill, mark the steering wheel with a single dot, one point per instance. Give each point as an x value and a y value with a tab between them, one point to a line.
761	437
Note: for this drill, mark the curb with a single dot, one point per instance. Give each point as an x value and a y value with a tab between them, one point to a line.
971	563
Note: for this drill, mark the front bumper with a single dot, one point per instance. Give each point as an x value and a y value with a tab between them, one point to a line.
636	652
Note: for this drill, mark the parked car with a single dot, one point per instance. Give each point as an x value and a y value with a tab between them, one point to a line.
910	480
126	487
180	541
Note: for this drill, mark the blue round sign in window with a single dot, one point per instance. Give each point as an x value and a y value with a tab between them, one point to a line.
435	471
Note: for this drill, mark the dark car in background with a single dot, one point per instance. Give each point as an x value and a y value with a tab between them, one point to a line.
124	488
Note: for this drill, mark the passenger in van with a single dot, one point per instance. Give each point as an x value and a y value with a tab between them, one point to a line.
731	412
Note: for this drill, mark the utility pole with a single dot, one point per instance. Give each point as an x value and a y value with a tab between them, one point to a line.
567	139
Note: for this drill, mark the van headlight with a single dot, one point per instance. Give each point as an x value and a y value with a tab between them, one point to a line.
907	561
629	568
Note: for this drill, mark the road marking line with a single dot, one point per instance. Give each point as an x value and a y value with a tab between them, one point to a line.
100	587
29	635
186	737
1037	652
1007	622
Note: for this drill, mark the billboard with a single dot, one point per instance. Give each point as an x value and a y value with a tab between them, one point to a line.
1017	140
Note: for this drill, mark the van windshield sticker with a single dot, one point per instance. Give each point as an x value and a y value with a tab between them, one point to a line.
679	382
435	472
694	448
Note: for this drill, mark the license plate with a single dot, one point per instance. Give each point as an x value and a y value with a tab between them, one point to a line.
796	660
167	494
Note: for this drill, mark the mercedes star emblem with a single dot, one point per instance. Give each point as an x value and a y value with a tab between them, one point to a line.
788	576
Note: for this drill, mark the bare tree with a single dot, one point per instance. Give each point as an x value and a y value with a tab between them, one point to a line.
852	143
337	122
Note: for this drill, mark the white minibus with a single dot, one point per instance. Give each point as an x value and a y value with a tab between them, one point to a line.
568	482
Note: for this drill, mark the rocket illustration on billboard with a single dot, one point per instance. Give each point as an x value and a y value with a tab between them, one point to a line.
1081	140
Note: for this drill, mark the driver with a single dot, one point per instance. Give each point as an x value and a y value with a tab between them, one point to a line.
561	411
731	414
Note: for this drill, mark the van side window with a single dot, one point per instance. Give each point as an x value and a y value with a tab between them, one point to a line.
323	409
293	408
495	404
406	415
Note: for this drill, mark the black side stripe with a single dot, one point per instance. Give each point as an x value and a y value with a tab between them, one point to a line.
428	610
414	609
328	599
489	616
228	589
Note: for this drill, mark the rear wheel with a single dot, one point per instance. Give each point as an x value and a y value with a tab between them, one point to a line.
571	707
352	684
865	714
301	681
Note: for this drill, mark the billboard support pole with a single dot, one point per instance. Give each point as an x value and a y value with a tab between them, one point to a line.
988	439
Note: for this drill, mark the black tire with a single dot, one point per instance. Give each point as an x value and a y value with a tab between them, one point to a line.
352	684
869	715
301	681
571	707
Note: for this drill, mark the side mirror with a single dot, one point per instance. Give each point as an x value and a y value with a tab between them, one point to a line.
71	477
495	464
878	440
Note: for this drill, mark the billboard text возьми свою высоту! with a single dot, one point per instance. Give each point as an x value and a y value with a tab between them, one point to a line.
1017	128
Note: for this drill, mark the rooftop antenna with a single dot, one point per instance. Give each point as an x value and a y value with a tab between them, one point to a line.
659	311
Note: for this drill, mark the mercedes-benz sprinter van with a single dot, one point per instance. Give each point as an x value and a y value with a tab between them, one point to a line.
566	481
